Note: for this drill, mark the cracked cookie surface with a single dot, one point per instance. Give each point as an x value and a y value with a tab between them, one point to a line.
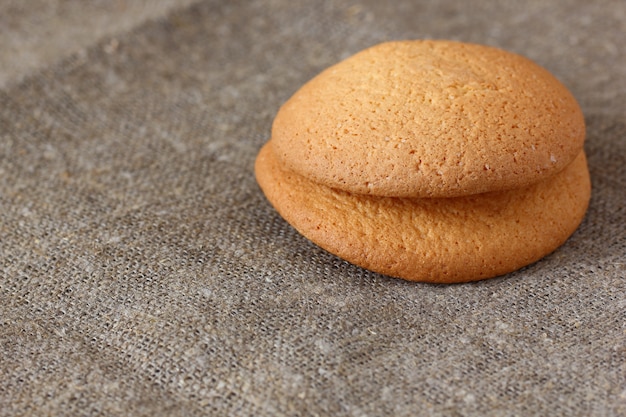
429	119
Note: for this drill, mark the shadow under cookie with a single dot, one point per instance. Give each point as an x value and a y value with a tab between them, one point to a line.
439	240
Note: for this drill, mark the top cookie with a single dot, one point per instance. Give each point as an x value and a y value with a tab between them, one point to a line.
429	119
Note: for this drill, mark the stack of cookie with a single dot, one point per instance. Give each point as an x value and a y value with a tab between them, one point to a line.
432	161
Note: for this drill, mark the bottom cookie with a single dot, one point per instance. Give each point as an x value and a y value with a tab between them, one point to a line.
444	240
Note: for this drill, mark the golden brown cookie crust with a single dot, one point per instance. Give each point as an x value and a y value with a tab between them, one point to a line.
429	119
445	240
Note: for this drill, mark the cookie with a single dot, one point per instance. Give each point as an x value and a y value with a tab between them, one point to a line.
429	119
439	240
432	161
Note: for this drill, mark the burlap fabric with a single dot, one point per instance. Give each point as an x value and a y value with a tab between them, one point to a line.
142	272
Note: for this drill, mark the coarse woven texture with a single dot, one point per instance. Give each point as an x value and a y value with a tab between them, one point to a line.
437	240
429	118
142	272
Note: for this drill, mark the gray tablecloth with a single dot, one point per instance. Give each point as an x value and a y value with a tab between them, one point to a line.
142	272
